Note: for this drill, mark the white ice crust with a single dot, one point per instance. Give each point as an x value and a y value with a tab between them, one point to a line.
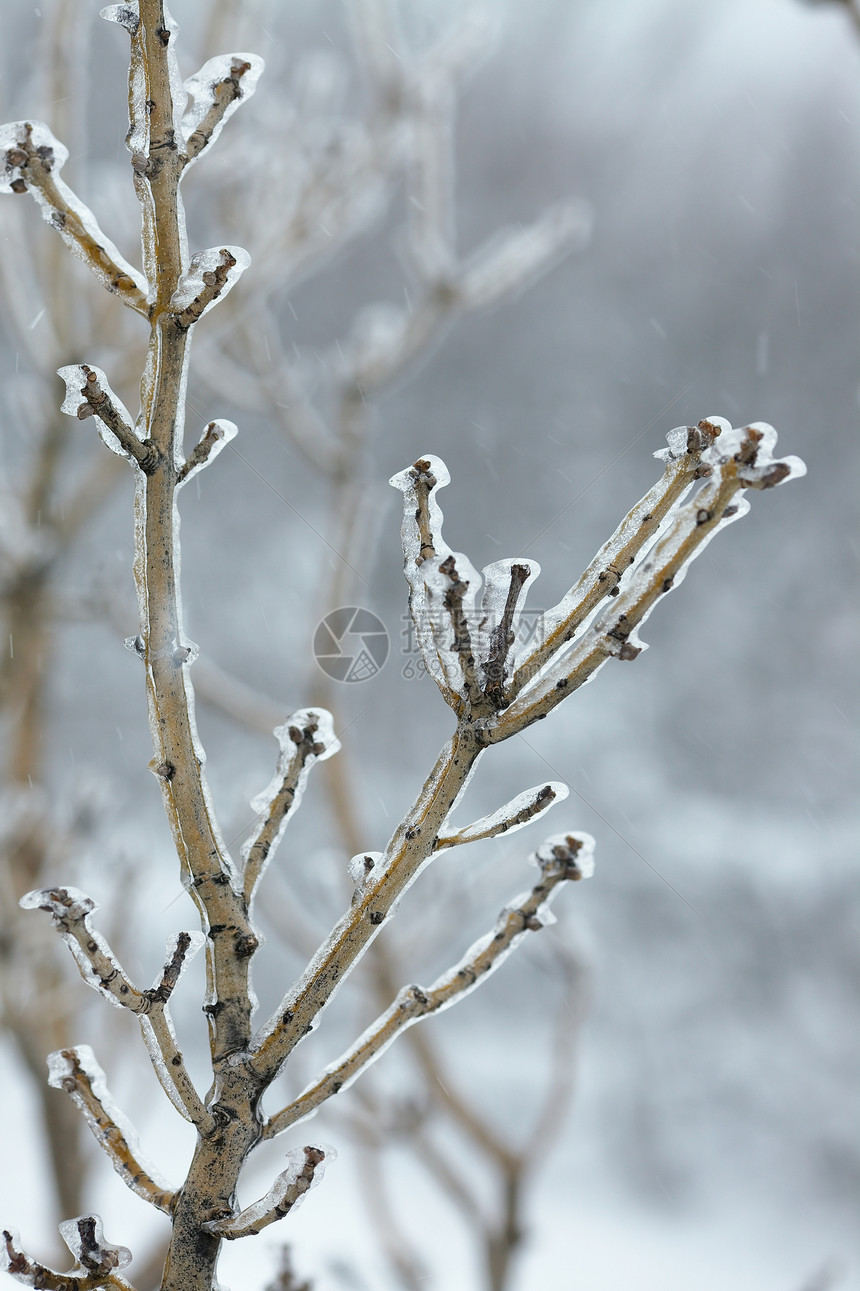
362	869
503	821
41	137
220	432
301	719
200	91
545	856
75	378
262	1212
430	584
115	1257
61	1075
203	263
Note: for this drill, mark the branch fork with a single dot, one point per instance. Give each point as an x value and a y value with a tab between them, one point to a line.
710	465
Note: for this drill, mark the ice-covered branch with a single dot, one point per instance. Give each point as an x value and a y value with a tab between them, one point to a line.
636	531
88	394
305	1169
78	1074
562	857
33	159
648	555
70	910
732	460
520	811
100	969
215	437
215	93
96	1261
408	851
466	644
305	738
211	274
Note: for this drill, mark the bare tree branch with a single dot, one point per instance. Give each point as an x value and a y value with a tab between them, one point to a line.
561	858
285	1193
76	1072
33	160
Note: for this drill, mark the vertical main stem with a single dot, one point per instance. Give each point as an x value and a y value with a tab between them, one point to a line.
179	757
209	1190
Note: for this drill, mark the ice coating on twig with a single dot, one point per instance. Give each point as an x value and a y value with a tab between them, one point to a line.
572	851
516	814
304	1171
741	457
506	586
319	722
708	469
125	15
305	738
451	585
425	553
96	1261
209	277
128	16
469	652
562	858
77	1073
78	403
85	1239
71	910
18	138
32	159
214	93
215	438
361	870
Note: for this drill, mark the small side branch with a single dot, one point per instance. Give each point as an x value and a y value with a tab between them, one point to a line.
563	857
730	461
442	586
71	909
503	635
286	1192
408	851
89	395
520	811
215	92
215	437
210	276
96	1261
307	737
454	601
600	580
76	1072
33	159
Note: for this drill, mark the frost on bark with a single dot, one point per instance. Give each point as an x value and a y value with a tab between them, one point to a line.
467	627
